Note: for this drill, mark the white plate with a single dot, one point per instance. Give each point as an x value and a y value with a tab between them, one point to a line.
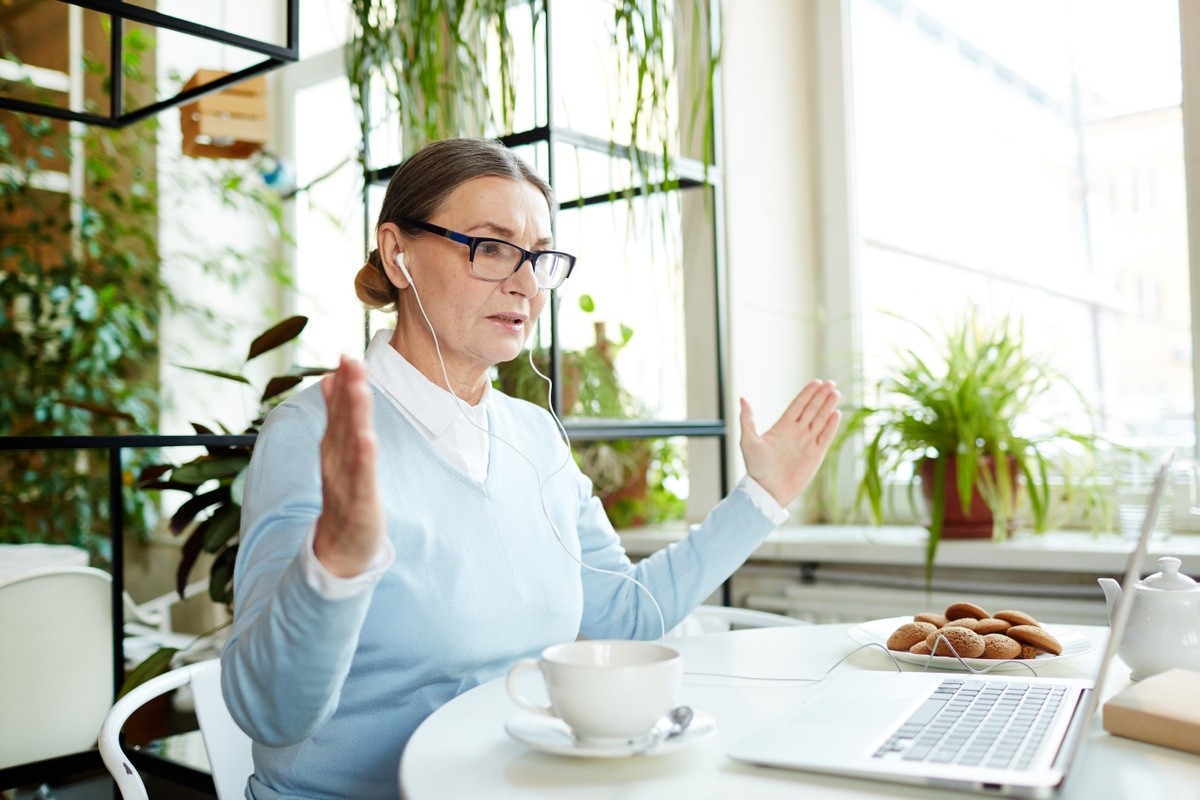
552	735
1073	643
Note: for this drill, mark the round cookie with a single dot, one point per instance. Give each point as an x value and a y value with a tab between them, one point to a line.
959	610
970	623
1035	637
920	649
937	620
1017	618
909	634
997	645
1029	652
990	625
966	643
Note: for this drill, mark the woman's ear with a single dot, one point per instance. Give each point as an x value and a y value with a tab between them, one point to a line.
391	244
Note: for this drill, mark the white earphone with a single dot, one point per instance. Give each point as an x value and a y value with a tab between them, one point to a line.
403	268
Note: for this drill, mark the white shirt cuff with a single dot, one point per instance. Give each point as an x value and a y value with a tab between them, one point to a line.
330	586
763	500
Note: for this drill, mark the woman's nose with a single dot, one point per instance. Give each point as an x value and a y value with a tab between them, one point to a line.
523	281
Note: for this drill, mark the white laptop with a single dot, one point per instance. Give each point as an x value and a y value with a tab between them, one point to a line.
998	734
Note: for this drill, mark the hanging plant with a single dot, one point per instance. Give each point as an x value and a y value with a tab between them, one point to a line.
432	59
435	60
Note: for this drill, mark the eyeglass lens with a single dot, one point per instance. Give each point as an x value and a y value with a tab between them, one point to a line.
496	260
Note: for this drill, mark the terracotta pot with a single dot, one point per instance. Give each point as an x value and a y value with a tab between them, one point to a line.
978	522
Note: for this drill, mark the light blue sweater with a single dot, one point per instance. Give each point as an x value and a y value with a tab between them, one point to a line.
330	691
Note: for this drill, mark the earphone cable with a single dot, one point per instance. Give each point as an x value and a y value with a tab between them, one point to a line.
460	403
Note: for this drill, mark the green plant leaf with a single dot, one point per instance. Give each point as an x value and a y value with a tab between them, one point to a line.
276	336
155	664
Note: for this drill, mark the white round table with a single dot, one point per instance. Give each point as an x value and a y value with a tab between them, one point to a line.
463	751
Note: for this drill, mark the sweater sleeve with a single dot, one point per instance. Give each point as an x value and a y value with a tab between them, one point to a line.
290	648
680	576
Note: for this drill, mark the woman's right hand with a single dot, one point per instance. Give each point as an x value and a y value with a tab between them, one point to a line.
350	529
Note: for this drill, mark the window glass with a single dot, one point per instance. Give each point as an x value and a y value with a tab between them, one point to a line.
1005	158
328	223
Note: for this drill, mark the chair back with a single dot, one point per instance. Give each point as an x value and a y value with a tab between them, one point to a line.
56	675
227	746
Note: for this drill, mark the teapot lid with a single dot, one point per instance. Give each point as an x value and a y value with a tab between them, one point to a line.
1170	579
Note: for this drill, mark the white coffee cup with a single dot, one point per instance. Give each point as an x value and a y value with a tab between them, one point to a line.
604	690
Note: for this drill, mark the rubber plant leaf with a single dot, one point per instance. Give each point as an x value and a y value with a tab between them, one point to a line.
158	662
216	373
220	580
188	555
221	527
103	411
278	385
188	511
206	468
277	335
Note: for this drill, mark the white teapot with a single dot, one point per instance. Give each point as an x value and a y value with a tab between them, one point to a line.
1164	623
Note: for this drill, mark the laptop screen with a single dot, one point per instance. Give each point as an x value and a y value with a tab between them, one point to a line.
1119	617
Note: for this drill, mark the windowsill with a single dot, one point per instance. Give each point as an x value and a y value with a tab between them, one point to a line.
1053	551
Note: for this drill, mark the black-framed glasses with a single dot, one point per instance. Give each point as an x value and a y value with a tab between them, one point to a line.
495	259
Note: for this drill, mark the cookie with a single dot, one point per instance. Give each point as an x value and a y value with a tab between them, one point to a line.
1029	652
937	620
990	625
909	634
970	623
959	610
997	645
1035	637
920	649
966	643
1017	618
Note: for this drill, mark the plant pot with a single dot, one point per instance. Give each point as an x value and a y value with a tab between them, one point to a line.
978	522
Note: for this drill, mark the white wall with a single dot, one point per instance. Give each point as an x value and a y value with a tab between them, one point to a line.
771	233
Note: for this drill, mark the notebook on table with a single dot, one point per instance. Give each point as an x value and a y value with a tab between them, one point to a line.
1009	735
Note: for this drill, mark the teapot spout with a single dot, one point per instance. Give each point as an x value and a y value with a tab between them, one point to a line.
1112	594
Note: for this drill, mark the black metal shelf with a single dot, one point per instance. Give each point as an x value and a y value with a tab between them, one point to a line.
120	10
688	171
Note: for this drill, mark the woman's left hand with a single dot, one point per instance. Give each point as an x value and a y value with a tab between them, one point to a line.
785	458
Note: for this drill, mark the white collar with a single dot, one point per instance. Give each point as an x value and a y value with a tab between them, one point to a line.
413	393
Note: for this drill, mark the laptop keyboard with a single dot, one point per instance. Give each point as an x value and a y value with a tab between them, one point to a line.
992	724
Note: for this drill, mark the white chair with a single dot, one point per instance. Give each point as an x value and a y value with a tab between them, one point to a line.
56	675
227	746
715	619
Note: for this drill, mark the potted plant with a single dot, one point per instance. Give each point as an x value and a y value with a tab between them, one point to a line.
971	428
632	477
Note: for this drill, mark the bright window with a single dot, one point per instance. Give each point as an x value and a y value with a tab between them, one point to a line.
1005	156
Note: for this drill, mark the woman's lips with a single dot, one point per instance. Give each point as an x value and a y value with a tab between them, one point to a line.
512	322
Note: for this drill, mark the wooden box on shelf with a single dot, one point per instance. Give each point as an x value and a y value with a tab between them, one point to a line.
231	123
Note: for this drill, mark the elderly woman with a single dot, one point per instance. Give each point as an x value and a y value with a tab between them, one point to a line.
409	532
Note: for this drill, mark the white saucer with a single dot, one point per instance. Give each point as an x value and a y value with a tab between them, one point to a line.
552	735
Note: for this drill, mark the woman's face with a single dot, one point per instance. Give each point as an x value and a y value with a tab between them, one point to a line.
479	323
